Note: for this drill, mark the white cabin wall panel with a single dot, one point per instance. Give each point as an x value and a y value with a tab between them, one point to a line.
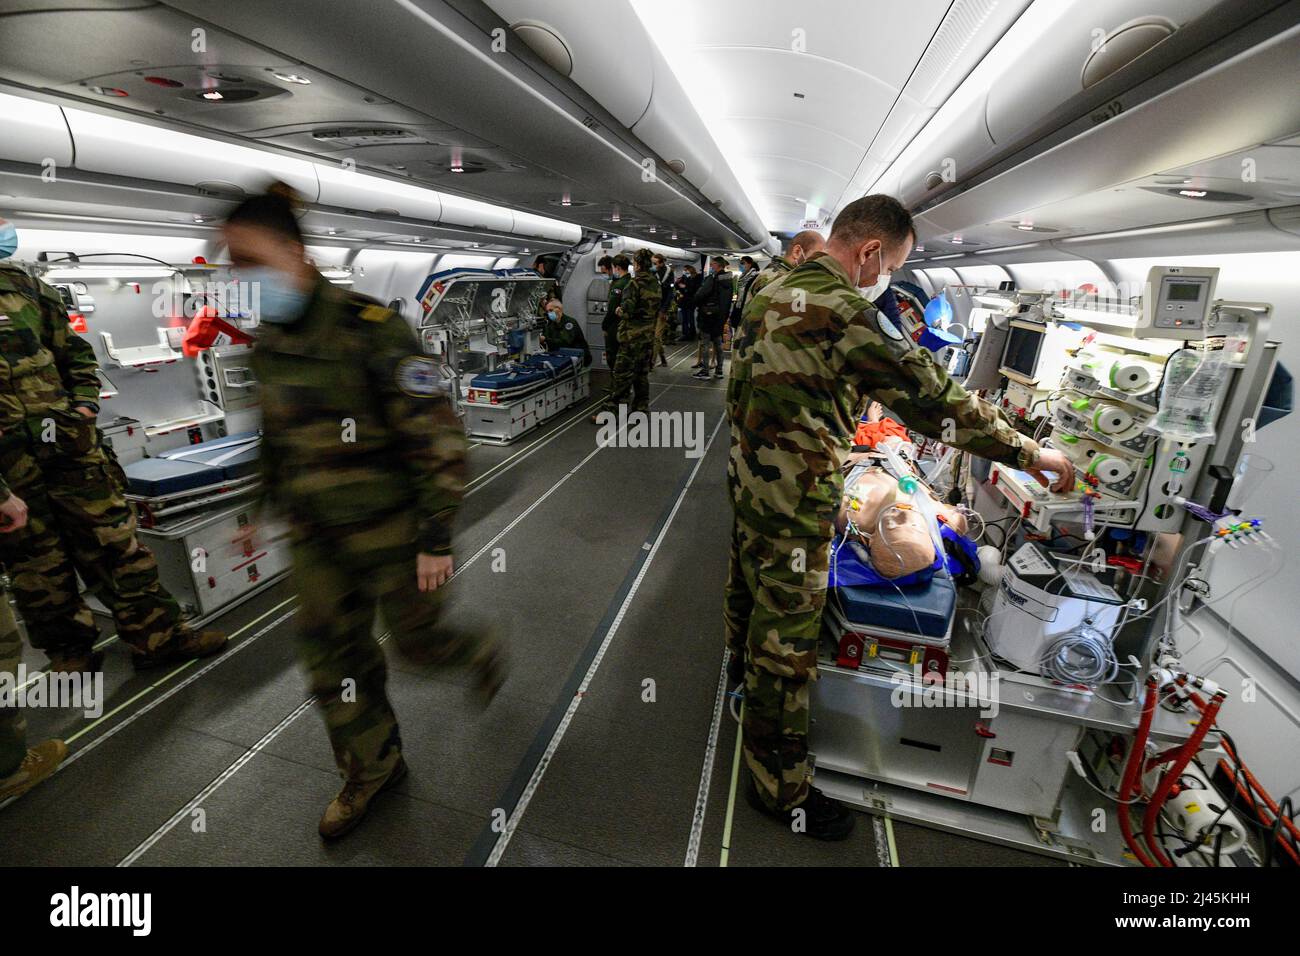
170	249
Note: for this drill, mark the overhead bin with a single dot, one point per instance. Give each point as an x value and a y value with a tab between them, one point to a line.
348	189
542	227
472	214
33	132
120	147
674	129
613	58
1069	58
609	54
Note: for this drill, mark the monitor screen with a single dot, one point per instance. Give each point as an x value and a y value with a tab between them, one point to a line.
1184	291
1021	353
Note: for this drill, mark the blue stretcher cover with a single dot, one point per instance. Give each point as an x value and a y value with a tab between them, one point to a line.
924	608
207	463
537	369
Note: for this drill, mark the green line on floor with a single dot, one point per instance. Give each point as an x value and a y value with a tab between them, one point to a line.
731	796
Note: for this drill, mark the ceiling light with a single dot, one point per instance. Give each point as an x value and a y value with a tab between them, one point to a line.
652	230
292	78
1193	193
213	95
1025	227
956	240
107	91
457	168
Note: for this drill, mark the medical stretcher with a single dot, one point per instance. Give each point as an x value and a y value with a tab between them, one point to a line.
194	503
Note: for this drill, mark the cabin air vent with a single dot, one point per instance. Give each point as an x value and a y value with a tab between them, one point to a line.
933	180
365	136
676	165
1122	46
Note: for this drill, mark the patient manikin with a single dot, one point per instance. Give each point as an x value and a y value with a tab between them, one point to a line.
879	518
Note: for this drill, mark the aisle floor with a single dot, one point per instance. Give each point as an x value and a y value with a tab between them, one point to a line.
609	744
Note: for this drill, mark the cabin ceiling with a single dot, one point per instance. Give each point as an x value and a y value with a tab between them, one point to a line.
447	111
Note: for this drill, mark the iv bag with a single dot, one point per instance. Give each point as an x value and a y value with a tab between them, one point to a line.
1193	383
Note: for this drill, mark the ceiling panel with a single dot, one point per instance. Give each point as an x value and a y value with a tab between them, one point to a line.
518	143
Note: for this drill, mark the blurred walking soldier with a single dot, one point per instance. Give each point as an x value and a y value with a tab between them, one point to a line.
636	334
62	495
365	460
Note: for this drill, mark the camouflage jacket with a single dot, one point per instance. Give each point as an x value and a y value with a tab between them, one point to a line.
45	367
640	304
355	424
813	353
778	267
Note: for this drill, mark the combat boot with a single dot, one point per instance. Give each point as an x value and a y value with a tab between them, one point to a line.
823	819
41	761
76	662
185	645
349	807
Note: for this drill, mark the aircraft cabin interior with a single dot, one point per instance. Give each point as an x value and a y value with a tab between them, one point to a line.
717	434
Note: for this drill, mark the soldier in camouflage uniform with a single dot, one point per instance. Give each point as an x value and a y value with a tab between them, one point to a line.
20	768
797	250
609	325
814	353
636	333
364	458
56	474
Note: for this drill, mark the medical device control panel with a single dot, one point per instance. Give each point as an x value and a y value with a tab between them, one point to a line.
1177	303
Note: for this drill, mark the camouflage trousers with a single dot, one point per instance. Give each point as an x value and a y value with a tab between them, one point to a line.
344	581
79	521
13	725
631	378
772	609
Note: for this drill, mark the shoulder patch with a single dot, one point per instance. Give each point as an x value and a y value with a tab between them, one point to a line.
419	377
888	327
375	313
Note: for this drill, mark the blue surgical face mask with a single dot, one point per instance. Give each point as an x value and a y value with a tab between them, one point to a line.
552	315
279	300
8	240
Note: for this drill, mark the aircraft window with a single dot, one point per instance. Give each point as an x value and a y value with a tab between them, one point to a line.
398	306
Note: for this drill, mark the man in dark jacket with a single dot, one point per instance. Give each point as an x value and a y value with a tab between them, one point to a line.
713	305
688	283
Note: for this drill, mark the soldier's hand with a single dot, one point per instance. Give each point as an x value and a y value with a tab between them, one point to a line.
432	570
1049	459
86	411
13	514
